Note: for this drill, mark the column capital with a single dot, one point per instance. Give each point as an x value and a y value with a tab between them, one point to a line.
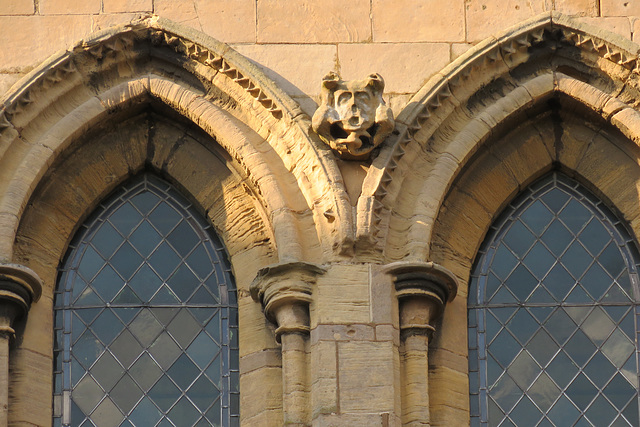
285	291
19	287
423	289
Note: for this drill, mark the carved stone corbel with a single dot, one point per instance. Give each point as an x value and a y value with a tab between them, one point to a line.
422	289
19	287
352	118
285	292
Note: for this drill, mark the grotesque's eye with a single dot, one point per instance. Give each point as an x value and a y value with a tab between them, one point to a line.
362	97
344	97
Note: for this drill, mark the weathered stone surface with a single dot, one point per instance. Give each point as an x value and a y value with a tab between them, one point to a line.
400	62
69	7
7	80
458	49
231	22
17	7
324	378
619	8
359	383
353	118
118	6
485	17
354	332
578	7
30	376
296	68
39	37
265	188
341	296
618	25
260	402
306	21
107	20
418	21
382	419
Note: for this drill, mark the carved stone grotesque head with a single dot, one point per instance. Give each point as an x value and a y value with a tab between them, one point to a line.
353	119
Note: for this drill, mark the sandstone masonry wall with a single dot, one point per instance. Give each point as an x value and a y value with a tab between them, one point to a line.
298	41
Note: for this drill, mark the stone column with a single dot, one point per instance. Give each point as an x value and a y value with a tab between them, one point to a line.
285	293
19	287
423	289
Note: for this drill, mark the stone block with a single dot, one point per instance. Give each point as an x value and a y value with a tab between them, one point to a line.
7	80
455	393
298	69
458	49
418	21
256	399
118	6
405	67
17	7
382	419
267	358
388	333
106	20
384	304
635	29
619	8
342	333
324	378
618	25
228	21
30	385
69	7
577	7
38	38
257	334
486	17
308	21
341	296
523	152
366	372
184	12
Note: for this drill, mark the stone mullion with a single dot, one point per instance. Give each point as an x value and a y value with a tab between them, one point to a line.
422	290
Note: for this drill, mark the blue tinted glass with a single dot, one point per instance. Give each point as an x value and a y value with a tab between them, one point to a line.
132	363
569	355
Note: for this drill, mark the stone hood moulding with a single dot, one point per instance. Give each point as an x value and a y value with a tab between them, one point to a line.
353	119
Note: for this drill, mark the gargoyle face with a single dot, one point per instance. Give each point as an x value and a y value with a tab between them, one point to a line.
353	118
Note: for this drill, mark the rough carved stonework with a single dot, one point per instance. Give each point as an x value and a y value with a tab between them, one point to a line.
353	119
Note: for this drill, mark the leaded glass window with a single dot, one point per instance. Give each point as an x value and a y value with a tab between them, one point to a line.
146	317
553	314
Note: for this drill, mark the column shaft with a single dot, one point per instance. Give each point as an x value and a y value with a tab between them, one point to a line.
295	379
415	373
4	379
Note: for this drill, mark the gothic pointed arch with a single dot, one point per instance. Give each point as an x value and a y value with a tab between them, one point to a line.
548	60
154	61
153	96
548	94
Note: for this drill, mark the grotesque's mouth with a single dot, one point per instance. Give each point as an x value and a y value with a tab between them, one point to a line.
355	141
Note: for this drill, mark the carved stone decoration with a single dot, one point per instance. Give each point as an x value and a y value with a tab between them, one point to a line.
19	287
285	293
353	119
423	290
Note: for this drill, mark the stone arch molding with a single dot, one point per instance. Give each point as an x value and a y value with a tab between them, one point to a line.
485	90
206	82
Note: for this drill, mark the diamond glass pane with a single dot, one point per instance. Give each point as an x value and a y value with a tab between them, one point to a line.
553	314
146	317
